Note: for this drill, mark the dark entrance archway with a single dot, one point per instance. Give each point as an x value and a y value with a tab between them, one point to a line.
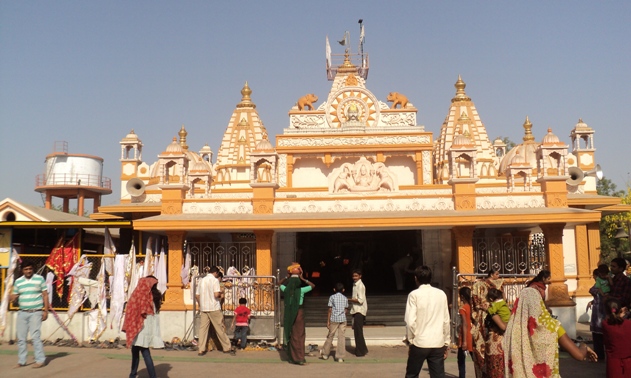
329	257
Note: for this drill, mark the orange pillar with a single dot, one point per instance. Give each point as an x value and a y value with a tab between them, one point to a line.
593	239
264	252
558	295
584	276
174	300
463	237
80	203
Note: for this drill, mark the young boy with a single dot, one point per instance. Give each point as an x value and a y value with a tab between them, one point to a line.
603	280
336	322
241	320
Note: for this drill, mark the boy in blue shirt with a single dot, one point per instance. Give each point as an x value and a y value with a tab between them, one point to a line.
336	322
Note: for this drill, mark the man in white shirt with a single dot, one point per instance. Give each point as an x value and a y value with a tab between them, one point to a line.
209	296
359	307
427	324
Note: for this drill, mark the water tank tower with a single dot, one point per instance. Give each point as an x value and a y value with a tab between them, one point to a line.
72	176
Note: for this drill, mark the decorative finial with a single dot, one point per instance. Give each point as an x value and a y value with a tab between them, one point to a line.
182	133
347	66
528	137
460	93
245	99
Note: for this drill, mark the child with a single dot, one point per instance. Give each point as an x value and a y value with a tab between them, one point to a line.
603	280
616	332
499	314
336	321
241	320
465	340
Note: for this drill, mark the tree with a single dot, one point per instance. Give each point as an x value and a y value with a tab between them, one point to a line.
509	143
73	211
610	247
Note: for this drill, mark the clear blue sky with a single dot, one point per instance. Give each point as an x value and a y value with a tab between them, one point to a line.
88	72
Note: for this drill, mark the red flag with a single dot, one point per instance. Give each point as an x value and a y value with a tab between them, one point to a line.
61	260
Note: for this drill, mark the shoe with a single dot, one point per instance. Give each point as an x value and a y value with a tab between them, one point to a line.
340	360
322	356
38	365
201	353
18	366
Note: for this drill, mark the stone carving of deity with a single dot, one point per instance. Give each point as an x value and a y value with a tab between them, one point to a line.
363	176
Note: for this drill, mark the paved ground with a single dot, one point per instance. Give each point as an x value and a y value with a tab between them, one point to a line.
380	362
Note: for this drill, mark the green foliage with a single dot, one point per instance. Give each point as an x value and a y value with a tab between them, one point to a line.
72	211
509	143
610	247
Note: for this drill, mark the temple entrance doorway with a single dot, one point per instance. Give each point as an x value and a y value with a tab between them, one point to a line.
386	259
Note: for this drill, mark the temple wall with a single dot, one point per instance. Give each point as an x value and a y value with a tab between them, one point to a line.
284	251
339	205
437	255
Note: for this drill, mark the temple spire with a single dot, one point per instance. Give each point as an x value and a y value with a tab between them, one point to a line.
460	93
528	137
245	99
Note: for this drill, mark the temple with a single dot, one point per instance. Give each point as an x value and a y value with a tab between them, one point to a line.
356	182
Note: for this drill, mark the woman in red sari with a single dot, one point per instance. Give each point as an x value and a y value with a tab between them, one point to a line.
616	335
142	324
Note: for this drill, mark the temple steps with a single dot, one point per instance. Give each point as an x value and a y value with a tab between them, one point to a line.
383	310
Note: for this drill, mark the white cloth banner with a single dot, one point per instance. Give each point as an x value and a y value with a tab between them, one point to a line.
161	273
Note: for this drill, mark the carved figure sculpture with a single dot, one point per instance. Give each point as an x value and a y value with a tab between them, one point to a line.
264	172
341	182
385	181
362	176
307	101
397	99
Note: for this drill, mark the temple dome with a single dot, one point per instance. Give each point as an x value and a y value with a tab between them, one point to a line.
131	137
174	147
527	151
264	146
200	166
550	138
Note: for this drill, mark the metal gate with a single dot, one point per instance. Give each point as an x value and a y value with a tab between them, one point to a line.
223	254
510	255
263	296
511	287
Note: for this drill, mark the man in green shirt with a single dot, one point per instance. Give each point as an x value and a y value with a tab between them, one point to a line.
32	295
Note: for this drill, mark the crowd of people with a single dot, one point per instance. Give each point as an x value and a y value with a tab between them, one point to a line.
522	341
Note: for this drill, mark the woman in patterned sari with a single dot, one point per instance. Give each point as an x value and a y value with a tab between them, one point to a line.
479	306
532	338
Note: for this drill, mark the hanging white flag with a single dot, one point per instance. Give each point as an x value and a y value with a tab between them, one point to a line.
109	246
149	266
117	291
328	52
361	35
162	272
186	268
8	288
